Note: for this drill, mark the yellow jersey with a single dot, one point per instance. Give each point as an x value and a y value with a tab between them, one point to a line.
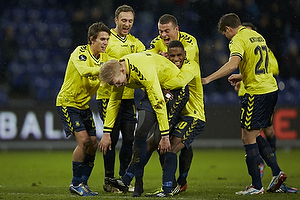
150	72
274	69
251	47
116	48
189	43
190	72
81	78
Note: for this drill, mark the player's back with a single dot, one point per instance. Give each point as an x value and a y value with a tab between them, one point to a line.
254	66
148	63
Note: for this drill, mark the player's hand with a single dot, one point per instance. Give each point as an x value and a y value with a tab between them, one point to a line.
105	143
234	78
164	145
165	54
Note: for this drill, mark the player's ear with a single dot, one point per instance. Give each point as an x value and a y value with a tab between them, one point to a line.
116	20
91	39
177	28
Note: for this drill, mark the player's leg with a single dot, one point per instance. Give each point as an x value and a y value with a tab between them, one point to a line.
184	134
252	158
109	157
128	122
136	169
89	157
185	161
270	137
250	131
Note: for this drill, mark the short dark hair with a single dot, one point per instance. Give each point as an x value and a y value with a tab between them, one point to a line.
250	25
230	19
123	8
95	29
166	18
175	43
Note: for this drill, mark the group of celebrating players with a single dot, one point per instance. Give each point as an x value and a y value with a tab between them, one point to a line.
114	64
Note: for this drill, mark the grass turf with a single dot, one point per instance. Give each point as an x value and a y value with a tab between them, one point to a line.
215	174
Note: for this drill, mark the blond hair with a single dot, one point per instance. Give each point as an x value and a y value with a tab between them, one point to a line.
109	70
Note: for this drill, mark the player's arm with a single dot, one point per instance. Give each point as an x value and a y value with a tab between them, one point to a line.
226	69
183	78
81	64
273	63
111	115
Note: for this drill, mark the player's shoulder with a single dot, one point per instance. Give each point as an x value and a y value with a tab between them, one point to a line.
187	38
156	39
80	52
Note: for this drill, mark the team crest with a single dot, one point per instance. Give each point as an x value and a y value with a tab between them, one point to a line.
132	48
82	57
77	124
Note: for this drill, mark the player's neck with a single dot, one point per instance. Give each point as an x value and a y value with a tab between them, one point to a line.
119	33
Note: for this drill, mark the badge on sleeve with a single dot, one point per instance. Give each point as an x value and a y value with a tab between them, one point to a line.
82	57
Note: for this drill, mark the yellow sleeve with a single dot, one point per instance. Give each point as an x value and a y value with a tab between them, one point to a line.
81	66
113	108
273	63
184	77
158	103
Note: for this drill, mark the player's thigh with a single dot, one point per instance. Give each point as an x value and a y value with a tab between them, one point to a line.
128	111
146	120
188	129
257	110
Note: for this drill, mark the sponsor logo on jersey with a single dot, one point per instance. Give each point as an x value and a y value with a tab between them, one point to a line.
82	57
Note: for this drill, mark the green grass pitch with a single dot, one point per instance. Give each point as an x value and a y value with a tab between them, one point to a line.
215	174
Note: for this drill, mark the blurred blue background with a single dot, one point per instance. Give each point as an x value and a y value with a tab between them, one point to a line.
38	36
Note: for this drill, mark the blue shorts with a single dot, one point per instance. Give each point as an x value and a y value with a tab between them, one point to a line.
75	120
127	112
188	129
257	110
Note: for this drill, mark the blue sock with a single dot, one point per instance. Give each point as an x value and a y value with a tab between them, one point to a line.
129	174
77	172
109	163
87	168
140	157
267	154
253	161
272	142
124	157
169	170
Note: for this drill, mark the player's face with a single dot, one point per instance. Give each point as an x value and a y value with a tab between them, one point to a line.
124	23
177	56
101	42
168	32
119	80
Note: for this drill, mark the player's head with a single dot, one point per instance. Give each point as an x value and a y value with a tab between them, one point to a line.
98	36
228	24
124	17
249	25
168	28
113	73
176	53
